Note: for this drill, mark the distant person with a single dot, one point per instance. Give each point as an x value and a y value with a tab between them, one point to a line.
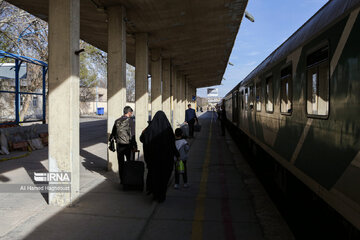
183	148
190	118
159	151
124	134
222	118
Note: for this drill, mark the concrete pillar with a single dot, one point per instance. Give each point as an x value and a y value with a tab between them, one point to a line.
166	77
191	91
156	79
64	36
174	91
187	99
194	94
141	85
183	93
179	99
116	73
191	95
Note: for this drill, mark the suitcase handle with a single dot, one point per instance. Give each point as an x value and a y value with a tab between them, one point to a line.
138	155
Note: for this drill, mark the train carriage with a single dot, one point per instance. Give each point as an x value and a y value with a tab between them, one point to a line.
302	106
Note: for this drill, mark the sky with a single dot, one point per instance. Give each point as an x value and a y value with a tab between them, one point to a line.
275	21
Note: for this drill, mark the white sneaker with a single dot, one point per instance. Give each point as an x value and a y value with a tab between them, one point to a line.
186	185
176	186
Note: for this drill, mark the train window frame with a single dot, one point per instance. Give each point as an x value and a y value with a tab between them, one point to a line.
251	97
242	99
258	103
246	98
269	77
315	67
234	105
286	75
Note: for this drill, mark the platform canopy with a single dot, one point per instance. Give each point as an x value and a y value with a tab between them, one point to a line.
197	35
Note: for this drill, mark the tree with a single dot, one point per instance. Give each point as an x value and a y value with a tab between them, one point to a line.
24	34
27	35
88	76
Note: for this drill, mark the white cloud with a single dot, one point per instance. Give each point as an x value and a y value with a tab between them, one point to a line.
254	53
250	63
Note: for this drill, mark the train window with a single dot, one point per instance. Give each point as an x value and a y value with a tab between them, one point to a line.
246	98
286	90
318	82
269	97
251	98
234	106
258	97
242	100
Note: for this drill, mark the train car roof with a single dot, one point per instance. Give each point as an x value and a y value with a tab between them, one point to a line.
329	13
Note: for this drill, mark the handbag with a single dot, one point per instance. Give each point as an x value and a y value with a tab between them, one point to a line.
180	166
112	145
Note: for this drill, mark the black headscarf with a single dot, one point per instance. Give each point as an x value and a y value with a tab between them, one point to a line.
158	126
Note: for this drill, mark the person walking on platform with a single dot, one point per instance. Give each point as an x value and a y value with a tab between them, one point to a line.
124	134
190	118
159	150
183	147
222	118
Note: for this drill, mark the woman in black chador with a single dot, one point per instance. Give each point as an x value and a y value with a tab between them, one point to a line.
159	151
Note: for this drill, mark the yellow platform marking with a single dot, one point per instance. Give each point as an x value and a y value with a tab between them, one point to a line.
197	225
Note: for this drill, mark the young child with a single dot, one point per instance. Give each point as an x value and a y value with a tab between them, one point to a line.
183	147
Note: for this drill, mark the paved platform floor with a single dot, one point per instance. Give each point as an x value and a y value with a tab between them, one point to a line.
224	201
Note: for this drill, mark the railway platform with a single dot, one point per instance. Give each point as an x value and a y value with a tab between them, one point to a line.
224	200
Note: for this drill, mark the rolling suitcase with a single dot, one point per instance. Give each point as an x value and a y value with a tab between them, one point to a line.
133	174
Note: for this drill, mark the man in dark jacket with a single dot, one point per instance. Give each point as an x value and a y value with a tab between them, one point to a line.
222	118
190	118
124	134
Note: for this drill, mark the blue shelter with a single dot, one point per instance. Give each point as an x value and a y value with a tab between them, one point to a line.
18	61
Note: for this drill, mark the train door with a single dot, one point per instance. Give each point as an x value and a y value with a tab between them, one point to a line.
235	106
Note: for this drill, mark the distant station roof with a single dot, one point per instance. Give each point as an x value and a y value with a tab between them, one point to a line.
198	36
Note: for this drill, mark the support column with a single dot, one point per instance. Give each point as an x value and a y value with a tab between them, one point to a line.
194	94
141	85
179	100
191	94
182	117
183	100
64	36
166	77
116	73
156	79
184	97
187	100
174	90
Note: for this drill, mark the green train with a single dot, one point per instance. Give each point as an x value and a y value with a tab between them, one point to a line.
302	106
